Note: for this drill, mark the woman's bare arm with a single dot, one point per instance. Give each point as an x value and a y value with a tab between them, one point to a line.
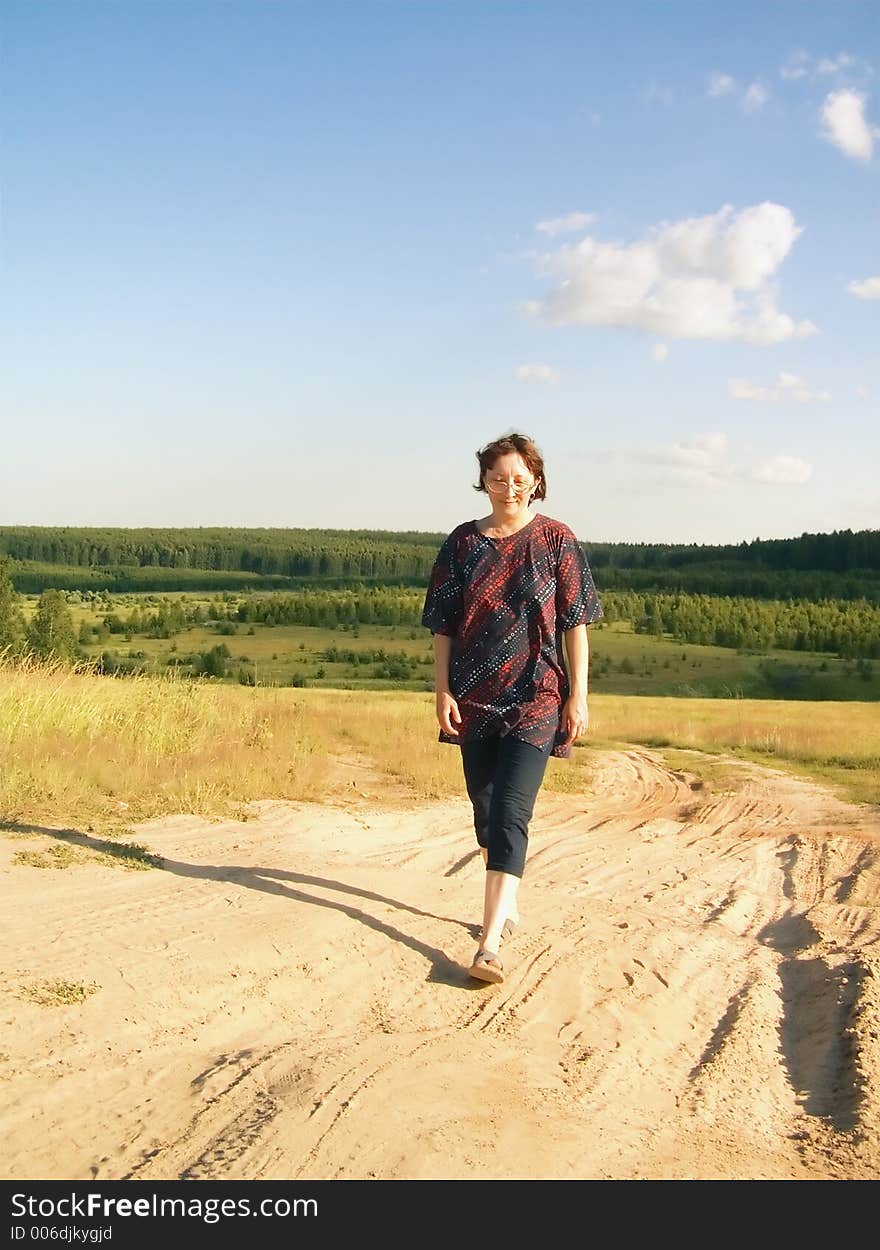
576	714
448	714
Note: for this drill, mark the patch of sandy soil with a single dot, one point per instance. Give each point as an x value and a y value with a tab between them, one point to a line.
692	993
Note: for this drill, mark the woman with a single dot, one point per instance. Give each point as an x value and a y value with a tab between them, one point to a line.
507	594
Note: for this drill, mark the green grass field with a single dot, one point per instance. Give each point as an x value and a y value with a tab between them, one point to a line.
623	662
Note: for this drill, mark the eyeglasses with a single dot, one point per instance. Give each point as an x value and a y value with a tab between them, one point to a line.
498	486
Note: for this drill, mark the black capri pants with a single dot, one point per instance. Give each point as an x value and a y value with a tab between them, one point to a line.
503	776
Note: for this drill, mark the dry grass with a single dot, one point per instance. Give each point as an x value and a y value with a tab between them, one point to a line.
103	752
398	732
99	752
838	743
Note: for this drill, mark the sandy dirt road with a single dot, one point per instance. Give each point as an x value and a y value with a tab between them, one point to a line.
693	992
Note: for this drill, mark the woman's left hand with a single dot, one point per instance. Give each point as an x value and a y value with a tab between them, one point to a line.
575	718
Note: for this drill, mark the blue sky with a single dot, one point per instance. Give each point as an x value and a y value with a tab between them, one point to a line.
291	264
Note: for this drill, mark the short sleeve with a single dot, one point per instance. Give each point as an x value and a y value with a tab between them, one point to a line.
442	612
577	602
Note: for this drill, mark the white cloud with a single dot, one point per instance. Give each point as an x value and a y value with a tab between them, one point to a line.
537	373
720	84
783	471
844	124
570	224
802	65
797	66
703	452
707	460
699	461
755	98
699	278
868	288
863	392
833	64
788	388
659	352
742	388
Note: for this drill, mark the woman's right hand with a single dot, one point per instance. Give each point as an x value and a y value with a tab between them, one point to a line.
447	713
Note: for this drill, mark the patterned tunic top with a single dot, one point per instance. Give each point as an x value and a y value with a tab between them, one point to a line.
505	603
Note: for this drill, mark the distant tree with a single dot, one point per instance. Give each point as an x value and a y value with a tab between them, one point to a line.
213	662
52	632
12	626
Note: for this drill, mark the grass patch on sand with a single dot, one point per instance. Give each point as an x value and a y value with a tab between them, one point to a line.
709	772
57	992
51	857
76	849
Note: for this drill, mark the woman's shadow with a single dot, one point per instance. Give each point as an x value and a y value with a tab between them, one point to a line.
442	970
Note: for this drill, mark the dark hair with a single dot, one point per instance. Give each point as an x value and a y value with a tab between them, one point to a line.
527	451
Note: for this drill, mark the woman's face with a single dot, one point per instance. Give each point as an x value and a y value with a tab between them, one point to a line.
510	484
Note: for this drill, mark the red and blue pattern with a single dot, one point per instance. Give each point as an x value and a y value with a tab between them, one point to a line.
506	603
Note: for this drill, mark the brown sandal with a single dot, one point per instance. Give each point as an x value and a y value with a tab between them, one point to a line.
487	967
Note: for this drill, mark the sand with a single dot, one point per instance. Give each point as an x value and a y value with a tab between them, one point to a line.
692	992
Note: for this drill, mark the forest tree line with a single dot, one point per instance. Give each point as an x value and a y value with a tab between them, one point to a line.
848	628
843	565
